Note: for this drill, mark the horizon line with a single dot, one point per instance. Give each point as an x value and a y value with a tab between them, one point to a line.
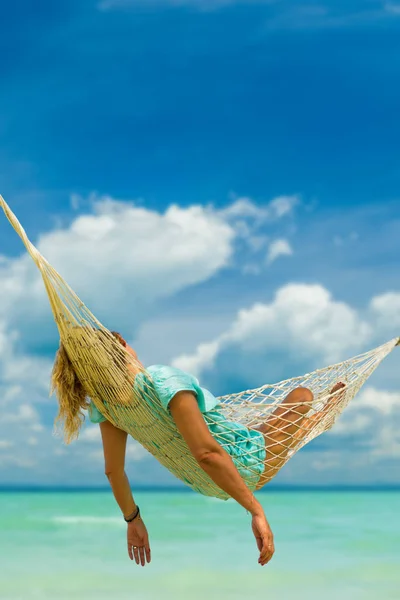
180	489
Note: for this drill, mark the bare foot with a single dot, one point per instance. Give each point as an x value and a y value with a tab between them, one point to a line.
338	386
311	421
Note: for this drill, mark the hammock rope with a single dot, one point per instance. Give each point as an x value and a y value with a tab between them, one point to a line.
107	372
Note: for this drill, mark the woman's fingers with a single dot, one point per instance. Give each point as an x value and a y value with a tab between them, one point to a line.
264	538
265	558
142	556
136	554
138	543
130	551
147	551
268	549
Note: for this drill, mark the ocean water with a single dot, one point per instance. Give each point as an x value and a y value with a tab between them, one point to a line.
329	545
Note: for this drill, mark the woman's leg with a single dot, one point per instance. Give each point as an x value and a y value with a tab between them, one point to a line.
287	425
280	428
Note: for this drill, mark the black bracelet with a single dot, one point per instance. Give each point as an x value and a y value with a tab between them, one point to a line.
133	516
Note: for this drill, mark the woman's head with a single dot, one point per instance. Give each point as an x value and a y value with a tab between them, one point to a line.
65	382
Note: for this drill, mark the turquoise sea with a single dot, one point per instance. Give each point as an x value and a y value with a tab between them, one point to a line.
71	545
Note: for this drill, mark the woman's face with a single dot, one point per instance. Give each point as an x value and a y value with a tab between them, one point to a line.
131	350
123	342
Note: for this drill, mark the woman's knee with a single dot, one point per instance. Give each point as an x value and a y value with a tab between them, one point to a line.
303	394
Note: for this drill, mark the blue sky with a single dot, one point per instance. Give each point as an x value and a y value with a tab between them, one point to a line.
182	162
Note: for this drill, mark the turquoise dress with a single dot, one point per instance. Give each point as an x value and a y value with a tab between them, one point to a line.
245	446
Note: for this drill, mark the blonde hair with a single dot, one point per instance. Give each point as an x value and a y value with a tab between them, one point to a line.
71	394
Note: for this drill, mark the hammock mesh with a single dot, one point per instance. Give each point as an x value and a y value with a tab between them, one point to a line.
106	370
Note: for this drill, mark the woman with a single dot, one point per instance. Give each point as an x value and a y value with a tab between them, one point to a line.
189	406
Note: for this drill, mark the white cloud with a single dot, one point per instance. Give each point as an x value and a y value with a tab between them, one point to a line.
154	254
202	360
22	376
17	424
135	452
392	8
24	384
283	205
91	434
303	320
26	369
244	207
371	423
278	248
120	251
5	444
368	413
382	401
250	221
386	311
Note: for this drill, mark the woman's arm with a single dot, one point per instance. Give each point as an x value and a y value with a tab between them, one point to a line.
219	466
114	447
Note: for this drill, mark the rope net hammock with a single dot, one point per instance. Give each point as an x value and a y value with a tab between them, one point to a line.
107	372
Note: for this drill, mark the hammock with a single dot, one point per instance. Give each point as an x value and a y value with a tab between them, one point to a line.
101	365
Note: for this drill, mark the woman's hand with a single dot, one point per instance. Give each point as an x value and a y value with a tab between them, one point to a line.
264	537
138	542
